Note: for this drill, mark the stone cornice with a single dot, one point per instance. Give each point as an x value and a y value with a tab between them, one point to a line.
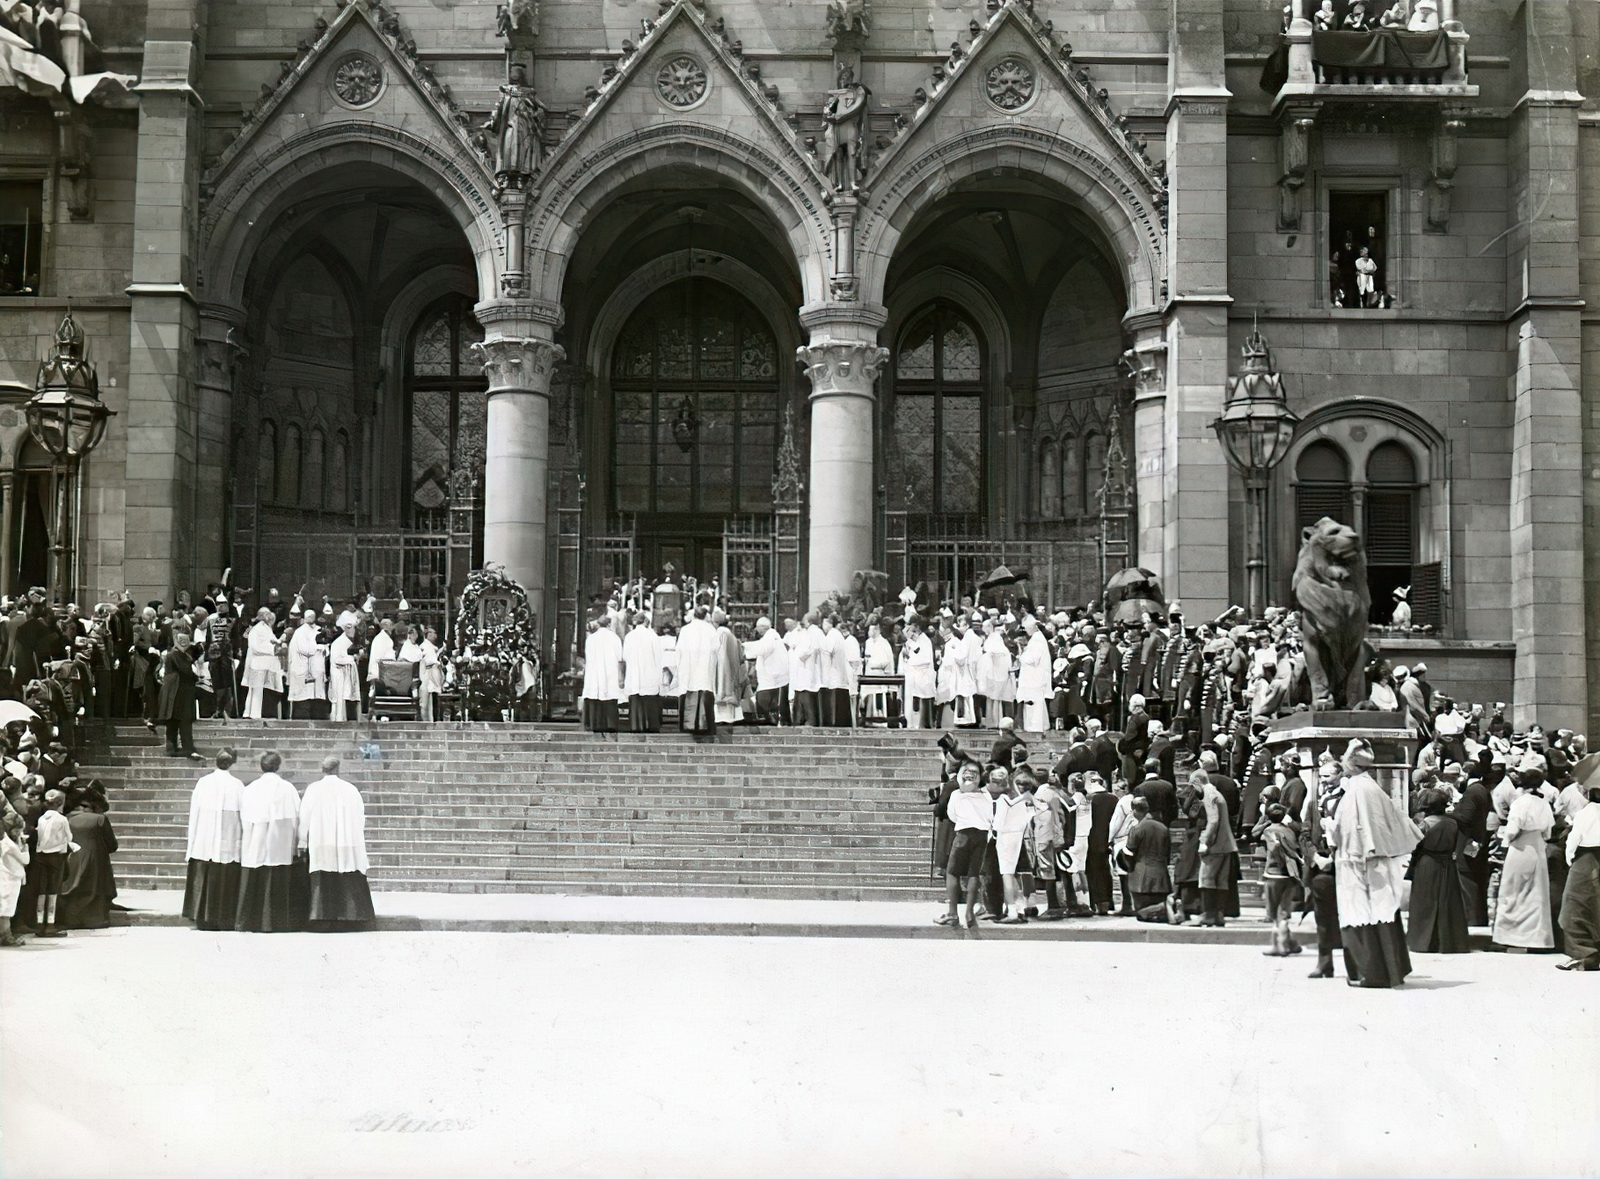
869	316
494	312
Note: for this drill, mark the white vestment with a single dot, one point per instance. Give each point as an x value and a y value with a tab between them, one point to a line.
804	674
333	824
262	670
215	830
344	684
772	661
916	664
1034	689
699	650
269	813
641	655
13	871
306	670
381	652
602	656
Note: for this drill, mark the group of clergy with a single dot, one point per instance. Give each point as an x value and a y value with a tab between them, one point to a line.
263	858
308	661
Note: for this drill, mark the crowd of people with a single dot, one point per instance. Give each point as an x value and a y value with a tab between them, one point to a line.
1497	829
212	657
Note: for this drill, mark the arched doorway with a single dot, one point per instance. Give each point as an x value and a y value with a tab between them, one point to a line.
359	402
695	405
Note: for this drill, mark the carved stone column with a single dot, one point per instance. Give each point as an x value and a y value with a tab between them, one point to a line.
518	354
842	361
1146	366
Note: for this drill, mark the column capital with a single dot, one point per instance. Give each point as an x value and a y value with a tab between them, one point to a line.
842	368
519	364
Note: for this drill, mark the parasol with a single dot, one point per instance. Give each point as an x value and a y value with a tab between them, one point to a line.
1000	578
15	710
1586	773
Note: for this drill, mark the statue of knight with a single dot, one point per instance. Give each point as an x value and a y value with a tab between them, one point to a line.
845	142
517	125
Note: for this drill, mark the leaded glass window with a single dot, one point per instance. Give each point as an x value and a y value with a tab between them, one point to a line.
695	397
938	412
449	404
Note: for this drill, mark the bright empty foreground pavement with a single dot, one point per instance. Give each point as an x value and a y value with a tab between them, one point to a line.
168	1052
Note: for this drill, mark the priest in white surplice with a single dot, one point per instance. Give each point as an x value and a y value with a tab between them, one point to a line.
730	672
263	671
272	883
641	680
602	678
333	823
772	673
211	893
382	650
699	652
344	678
1034	689
916	665
307	670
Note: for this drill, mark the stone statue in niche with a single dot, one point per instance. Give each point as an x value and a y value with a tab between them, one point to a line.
849	18
519	16
845	154
517	127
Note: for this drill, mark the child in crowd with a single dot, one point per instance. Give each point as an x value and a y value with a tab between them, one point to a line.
1013	820
1281	876
54	842
13	871
971	811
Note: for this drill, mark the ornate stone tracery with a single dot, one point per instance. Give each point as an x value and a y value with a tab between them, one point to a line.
1010	83
518	363
681	81
847	367
357	79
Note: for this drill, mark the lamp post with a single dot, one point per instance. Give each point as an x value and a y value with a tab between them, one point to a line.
68	419
1255	429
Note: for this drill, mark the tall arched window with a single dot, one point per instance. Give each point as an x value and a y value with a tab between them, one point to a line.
316	467
339	473
1391	522
1049	482
449	403
1094	471
695	386
1071	478
938	411
1322	486
267	464
289	466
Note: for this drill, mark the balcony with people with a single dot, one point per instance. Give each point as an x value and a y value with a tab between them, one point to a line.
1410	50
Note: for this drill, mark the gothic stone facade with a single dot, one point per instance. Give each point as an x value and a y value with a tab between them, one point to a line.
955	242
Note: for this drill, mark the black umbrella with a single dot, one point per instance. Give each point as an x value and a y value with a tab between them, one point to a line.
1000	578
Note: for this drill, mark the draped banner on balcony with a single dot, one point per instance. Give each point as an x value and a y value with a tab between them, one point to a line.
1382	49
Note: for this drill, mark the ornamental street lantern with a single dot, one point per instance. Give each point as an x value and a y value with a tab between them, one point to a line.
68	419
1255	430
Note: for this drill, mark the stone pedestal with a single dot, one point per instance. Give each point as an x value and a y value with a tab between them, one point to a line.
1392	740
518	356
843	374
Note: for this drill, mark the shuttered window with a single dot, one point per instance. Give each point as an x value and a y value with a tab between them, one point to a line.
1390	528
1316	500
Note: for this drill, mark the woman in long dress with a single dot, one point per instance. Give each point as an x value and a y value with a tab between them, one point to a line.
91	886
1438	910
1372	839
1522	918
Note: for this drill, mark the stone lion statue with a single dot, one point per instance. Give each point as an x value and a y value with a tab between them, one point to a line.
1330	587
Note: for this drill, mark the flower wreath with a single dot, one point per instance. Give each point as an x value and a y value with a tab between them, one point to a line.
489	654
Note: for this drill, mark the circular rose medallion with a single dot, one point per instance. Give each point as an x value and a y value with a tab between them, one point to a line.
1009	84
681	82
357	80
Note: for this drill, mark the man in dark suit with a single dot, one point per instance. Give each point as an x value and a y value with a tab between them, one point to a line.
1149	847
1159	793
177	702
1000	751
1135	743
1102	804
119	639
1471	814
1104	750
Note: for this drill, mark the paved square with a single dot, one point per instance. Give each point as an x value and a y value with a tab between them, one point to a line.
144	1052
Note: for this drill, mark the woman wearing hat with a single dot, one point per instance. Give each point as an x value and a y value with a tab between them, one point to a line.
1371	838
1522	918
1438	909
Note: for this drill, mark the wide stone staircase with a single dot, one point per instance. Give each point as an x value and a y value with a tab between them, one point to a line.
455	807
823	814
